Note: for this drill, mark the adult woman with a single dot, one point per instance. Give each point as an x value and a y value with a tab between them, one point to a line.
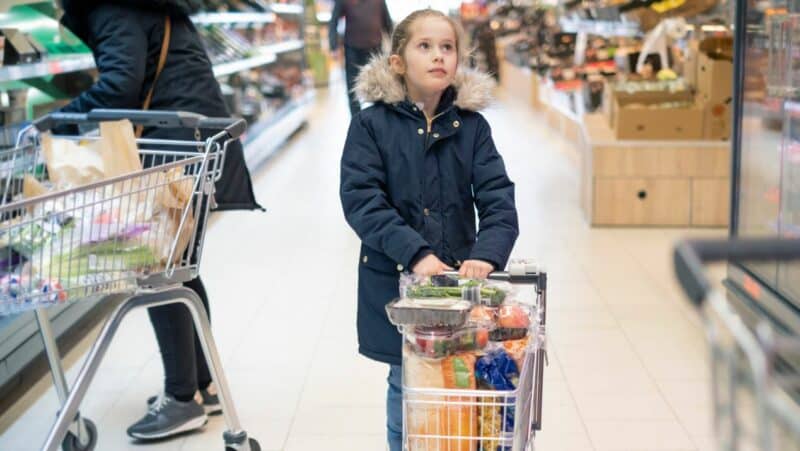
149	55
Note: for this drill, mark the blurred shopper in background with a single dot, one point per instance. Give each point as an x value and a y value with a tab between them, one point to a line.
366	23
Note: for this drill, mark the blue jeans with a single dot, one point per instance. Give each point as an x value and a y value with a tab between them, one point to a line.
394	408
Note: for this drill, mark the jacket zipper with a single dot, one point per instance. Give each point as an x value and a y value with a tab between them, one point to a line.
430	121
430	127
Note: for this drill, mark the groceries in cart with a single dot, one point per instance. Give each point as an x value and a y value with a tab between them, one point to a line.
461	334
99	216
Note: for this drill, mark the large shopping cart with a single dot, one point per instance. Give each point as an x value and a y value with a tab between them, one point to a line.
132	238
755	370
452	414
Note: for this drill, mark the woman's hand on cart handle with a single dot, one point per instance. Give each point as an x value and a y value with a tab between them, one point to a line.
690	255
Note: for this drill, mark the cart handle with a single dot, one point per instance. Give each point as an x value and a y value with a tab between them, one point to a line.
523	276
150	118
690	255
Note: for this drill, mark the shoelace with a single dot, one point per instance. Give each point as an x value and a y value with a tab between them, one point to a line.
161	401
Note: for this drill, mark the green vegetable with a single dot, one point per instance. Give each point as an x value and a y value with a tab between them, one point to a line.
100	258
495	295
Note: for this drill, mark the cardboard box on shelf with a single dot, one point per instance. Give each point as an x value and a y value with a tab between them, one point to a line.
714	79
614	97
635	117
718	123
690	63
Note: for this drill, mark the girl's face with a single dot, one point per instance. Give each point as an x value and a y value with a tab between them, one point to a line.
431	56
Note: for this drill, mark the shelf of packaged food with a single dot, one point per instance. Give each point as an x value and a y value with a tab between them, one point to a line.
600	27
51	66
232	18
282	8
266	136
265	55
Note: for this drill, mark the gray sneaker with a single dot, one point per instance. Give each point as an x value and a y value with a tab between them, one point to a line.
207	398
166	417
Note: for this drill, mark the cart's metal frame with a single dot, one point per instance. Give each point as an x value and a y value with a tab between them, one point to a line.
153	290
525	400
745	362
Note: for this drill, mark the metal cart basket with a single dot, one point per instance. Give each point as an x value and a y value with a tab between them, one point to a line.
451	415
755	370
134	237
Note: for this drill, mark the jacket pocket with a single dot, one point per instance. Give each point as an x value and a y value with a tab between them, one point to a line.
378	261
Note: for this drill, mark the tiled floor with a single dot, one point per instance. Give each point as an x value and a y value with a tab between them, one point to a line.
627	358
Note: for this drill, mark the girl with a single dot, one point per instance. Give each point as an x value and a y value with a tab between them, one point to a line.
415	166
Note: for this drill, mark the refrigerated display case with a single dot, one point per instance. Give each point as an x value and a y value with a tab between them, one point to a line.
766	157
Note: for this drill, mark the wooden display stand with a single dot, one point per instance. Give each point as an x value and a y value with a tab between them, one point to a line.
560	116
653	183
521	82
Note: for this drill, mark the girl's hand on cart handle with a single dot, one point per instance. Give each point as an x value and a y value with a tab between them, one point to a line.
475	269
430	266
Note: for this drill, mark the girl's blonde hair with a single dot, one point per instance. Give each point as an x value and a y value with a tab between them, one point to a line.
402	33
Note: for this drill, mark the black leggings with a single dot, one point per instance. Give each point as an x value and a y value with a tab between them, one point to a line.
185	367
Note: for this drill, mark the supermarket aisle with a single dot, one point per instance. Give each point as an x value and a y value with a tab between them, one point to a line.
626	368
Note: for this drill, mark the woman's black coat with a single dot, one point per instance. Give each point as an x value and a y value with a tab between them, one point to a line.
126	37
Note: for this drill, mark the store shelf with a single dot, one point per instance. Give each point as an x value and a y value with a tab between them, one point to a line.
45	68
232	18
281	8
265	137
247	63
600	27
266	55
284	47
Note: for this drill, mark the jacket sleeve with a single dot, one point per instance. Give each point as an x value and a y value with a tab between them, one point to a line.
333	26
386	20
366	205
494	197
120	53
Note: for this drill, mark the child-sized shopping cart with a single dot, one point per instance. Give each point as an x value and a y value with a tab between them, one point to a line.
755	370
436	419
131	238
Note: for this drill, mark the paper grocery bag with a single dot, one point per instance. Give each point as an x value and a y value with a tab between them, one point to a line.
118	148
169	222
32	187
70	164
178	189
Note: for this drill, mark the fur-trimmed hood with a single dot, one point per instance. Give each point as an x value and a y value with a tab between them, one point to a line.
377	82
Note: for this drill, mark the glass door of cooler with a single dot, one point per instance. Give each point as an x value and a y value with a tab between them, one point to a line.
789	274
769	149
760	127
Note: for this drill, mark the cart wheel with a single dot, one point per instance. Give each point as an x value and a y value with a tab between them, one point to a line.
254	446
71	442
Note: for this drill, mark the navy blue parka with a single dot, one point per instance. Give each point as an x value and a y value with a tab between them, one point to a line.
409	190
